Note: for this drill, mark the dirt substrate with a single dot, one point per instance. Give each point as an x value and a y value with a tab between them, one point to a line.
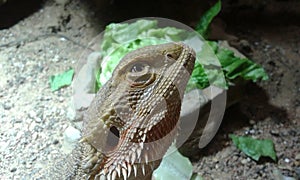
33	118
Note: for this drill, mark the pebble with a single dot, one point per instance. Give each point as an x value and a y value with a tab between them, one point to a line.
274	132
3	146
252	131
287	160
38	120
252	122
71	136
61	99
7	106
55	141
17	120
32	114
56	58
13	169
33	158
71	113
244	161
34	136
28	165
32	126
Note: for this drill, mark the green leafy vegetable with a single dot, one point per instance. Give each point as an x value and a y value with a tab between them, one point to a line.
253	147
60	80
203	25
234	67
173	166
205	73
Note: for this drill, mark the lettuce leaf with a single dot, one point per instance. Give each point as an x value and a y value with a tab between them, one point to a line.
173	166
233	67
61	80
203	25
253	147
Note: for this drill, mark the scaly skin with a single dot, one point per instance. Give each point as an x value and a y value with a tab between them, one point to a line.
133	119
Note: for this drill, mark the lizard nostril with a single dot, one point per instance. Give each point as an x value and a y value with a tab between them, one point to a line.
170	56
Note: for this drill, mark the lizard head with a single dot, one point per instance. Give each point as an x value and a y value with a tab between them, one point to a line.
133	119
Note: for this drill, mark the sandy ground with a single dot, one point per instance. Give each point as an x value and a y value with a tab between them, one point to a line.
33	118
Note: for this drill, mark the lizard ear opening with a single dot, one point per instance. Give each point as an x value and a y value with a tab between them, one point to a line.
113	137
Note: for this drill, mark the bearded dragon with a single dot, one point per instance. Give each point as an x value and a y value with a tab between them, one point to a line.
134	117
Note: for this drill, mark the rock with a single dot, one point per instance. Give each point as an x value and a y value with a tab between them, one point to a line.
190	103
85	81
84	84
71	136
201	120
71	113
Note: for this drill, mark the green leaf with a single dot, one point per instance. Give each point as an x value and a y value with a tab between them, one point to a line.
206	72
203	25
61	80
253	147
234	67
173	166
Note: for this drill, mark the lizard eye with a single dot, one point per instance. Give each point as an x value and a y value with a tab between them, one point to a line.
138	67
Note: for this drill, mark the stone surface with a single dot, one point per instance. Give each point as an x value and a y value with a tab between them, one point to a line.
71	137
